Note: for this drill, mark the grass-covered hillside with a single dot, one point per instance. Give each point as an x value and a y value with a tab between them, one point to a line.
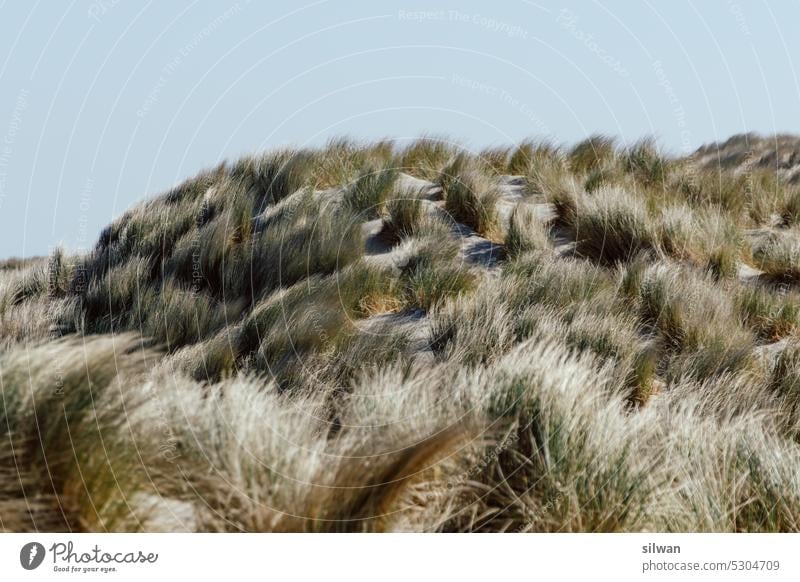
373	337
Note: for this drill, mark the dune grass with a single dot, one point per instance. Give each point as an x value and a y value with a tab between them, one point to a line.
779	257
591	154
697	319
471	198
432	273
525	232
69	463
405	214
645	163
612	226
367	194
425	157
770	315
304	340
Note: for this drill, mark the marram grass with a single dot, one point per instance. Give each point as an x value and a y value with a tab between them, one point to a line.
412	336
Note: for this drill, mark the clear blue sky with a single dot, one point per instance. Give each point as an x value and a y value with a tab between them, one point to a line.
104	103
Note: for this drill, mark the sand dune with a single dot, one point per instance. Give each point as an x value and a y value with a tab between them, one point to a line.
367	337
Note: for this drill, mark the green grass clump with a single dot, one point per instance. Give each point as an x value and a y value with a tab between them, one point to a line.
779	257
705	238
364	290
784	379
525	232
26	285
790	210
592	153
677	230
274	176
178	316
644	162
617	338
365	197
343	160
531	156
425	157
404	216
474	329
599	177
771	316
612	226
721	190
432	274
565	464
720	245
471	198
559	283
697	319
452	170
314	239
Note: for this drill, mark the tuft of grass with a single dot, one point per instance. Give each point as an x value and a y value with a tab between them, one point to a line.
592	153
560	283
644	162
475	329
599	177
564	194
431	274
364	290
520	160
548	170
211	360
404	216
68	463
315	238
26	285
59	273
451	171
374	348
525	232
698	321
721	245
707	239
562	464
532	156
677	229
110	303
779	257
784	379
617	340
17	263
285	329
178	316
790	207
495	159
425	157
342	160
365	197
612	226
770	316
722	190
767	194
274	176
471	198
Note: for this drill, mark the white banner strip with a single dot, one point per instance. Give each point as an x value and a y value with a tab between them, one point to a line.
401	557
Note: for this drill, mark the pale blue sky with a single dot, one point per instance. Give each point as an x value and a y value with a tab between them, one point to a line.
104	103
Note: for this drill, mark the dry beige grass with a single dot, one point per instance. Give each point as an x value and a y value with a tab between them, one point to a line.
324	340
